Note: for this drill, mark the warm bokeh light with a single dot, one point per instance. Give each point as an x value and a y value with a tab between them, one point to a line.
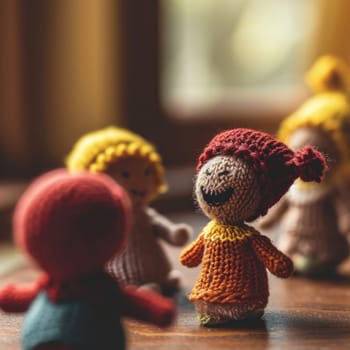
211	51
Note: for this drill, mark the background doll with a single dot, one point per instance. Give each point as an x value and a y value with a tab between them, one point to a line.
137	166
70	225
315	217
241	174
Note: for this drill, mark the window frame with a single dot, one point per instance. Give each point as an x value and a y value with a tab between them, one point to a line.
179	133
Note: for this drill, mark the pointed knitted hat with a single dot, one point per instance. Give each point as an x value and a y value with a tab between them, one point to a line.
328	109
276	166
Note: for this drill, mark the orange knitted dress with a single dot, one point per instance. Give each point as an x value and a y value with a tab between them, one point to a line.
234	259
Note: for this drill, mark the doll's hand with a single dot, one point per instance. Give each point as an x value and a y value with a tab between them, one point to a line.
284	268
274	260
17	298
181	234
5	294
149	307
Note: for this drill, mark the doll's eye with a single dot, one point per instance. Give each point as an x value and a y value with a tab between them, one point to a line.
125	174
224	173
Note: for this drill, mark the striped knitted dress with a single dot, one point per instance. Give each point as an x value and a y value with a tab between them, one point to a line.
233	265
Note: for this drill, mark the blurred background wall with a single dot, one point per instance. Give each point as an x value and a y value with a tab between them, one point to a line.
175	71
59	78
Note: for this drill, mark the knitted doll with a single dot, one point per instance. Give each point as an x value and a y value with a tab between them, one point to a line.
137	166
316	216
70	225
241	174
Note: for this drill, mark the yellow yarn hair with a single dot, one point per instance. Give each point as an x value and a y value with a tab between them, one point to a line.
215	231
328	109
95	151
329	73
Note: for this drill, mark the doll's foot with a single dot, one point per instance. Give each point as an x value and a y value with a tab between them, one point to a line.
212	320
217	313
310	267
151	287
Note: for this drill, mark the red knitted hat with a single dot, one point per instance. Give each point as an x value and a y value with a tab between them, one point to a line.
275	165
72	224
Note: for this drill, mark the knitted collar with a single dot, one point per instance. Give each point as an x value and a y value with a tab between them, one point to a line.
215	231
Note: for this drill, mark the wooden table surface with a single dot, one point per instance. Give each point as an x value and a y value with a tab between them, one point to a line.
301	314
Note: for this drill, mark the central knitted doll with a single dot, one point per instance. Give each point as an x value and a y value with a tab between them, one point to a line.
70	225
136	165
241	174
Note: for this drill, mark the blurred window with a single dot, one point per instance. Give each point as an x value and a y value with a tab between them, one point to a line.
225	51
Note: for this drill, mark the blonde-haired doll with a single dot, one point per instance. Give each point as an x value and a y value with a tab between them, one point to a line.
135	164
315	217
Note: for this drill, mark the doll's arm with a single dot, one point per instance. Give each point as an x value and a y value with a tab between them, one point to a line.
18	298
175	234
274	214
147	306
274	260
192	255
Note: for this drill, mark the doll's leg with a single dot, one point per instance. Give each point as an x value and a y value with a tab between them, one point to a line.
308	265
216	313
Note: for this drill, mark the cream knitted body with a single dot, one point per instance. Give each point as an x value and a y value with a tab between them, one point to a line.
143	260
310	227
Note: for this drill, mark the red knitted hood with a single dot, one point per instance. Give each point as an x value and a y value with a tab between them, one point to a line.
275	165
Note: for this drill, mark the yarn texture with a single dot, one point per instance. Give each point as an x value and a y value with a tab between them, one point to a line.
241	173
143	261
275	165
314	218
328	110
95	151
229	272
70	226
309	164
136	165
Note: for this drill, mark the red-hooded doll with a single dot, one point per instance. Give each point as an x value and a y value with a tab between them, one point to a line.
241	173
71	225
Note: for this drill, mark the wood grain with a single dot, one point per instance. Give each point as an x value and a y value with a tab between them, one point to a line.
302	314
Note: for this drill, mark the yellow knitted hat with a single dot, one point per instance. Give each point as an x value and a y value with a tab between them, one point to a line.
95	151
328	109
